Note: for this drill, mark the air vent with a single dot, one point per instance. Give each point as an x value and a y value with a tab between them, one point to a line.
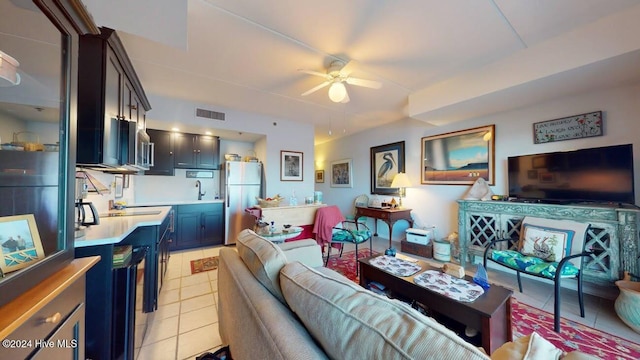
209	114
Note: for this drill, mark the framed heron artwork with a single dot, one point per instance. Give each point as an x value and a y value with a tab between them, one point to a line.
386	161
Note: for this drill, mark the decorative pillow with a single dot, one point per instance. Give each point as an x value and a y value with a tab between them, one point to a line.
264	259
546	243
350	322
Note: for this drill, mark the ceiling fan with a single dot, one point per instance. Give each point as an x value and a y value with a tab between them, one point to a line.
336	76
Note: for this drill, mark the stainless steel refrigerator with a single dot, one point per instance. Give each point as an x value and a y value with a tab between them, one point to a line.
240	186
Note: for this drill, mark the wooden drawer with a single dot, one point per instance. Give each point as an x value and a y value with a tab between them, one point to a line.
37	329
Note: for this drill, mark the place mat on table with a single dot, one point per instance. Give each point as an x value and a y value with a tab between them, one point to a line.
395	266
449	286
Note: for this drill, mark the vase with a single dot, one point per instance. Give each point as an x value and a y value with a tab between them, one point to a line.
627	304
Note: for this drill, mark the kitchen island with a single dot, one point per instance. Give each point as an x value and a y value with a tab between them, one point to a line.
111	289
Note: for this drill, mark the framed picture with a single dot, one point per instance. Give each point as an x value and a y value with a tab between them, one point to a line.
20	243
126	181
567	128
459	158
319	176
119	183
290	165
342	173
386	161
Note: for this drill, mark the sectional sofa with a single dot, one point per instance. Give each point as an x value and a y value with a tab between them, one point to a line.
278	302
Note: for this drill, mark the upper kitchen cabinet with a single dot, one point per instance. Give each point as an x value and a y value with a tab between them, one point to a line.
196	151
112	106
38	87
162	162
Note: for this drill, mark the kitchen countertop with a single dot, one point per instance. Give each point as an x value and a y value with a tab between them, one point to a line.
168	203
114	229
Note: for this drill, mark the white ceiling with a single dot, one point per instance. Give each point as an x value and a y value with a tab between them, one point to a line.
439	61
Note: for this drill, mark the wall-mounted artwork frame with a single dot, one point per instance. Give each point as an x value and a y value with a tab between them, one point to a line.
20	243
459	157
342	173
291	165
319	176
567	128
386	161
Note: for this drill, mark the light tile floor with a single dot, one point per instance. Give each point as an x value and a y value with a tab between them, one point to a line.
186	322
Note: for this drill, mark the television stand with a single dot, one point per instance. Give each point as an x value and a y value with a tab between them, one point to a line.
612	233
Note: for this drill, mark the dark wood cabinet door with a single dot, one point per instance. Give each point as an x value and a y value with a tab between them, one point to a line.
184	150
207	152
188	229
212	229
163	153
112	111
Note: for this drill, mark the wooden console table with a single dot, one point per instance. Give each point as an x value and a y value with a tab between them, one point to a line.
389	216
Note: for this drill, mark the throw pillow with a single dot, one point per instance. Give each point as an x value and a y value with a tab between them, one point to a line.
263	258
545	243
350	322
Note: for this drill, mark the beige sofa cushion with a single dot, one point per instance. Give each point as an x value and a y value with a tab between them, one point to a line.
350	322
263	258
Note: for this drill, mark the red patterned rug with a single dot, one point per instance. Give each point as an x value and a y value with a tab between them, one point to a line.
526	319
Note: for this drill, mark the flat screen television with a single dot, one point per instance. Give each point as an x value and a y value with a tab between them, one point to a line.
603	175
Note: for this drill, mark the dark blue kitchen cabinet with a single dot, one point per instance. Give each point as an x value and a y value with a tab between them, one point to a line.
198	225
194	151
163	153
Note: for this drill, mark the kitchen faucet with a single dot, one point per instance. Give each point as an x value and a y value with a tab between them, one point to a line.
200	192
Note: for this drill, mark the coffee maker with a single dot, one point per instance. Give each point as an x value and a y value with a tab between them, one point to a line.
82	220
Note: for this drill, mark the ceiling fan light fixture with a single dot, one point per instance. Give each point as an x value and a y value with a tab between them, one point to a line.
8	70
337	92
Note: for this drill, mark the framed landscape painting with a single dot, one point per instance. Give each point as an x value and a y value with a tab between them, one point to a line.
459	158
386	161
20	243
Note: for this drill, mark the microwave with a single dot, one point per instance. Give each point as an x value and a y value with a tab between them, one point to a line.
136	149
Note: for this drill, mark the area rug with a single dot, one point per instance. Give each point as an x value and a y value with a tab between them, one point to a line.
346	265
206	264
527	319
573	336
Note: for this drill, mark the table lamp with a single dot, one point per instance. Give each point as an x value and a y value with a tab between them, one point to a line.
401	181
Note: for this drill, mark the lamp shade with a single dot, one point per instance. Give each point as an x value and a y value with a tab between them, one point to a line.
401	180
337	92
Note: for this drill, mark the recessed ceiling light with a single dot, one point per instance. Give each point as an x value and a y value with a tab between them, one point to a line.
175	129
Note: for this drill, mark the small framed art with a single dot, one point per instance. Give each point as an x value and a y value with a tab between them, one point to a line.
342	173
290	165
20	243
319	176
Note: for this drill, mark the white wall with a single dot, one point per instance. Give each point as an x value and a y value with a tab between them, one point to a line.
280	134
436	204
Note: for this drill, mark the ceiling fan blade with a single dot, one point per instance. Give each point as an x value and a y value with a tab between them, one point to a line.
348	68
316	73
362	82
314	89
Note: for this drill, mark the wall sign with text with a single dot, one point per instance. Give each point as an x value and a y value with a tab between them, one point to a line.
572	127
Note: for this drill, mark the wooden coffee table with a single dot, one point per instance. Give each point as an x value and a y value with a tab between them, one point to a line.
490	314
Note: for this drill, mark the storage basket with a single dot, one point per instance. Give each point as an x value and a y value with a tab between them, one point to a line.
30	141
273	202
